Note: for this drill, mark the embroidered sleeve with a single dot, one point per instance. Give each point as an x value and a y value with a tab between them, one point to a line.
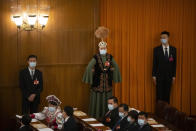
59	120
41	115
88	75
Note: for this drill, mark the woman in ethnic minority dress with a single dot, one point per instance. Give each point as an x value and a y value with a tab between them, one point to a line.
101	71
52	114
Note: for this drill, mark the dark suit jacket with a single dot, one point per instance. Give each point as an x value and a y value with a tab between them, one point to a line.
70	125
161	66
146	127
123	124
27	85
113	116
26	128
132	127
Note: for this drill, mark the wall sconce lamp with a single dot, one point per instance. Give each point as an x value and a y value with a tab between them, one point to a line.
30	17
30	22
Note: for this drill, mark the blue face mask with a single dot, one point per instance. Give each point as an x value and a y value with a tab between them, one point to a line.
128	119
32	64
110	107
52	109
103	52
121	114
163	41
141	122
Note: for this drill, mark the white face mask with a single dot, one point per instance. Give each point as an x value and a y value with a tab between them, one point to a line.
103	52
32	64
51	109
110	107
141	122
128	119
163	41
121	114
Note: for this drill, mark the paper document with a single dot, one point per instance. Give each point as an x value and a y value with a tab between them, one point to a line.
99	124
159	125
34	120
89	119
45	129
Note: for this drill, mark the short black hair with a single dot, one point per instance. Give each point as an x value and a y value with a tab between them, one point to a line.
115	99
165	33
125	107
31	56
53	103
142	113
26	119
133	114
68	110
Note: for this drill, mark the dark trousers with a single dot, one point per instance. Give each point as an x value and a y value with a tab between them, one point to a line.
163	88
30	107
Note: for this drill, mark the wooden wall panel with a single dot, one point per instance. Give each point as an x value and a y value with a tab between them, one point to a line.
65	80
64	48
135	26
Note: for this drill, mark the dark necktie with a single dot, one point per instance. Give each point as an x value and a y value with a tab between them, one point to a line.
117	123
107	113
32	74
166	54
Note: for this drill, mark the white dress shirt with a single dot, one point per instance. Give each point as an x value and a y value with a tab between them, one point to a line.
32	72
66	119
164	49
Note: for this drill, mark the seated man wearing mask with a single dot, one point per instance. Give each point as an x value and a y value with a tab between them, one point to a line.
69	120
122	122
52	114
25	123
142	122
132	119
111	117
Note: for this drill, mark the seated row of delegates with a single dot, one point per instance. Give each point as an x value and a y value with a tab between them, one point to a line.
131	121
138	121
118	118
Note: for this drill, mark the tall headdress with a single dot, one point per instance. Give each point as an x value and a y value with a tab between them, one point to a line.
102	33
53	98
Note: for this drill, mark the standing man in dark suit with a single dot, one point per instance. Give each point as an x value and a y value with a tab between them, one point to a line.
31	84
164	68
111	117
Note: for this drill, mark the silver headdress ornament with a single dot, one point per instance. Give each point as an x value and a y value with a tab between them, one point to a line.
102	44
53	98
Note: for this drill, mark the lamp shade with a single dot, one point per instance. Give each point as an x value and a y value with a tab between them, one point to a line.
32	19
18	20
43	20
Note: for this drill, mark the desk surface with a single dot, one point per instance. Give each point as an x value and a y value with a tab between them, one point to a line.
88	123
